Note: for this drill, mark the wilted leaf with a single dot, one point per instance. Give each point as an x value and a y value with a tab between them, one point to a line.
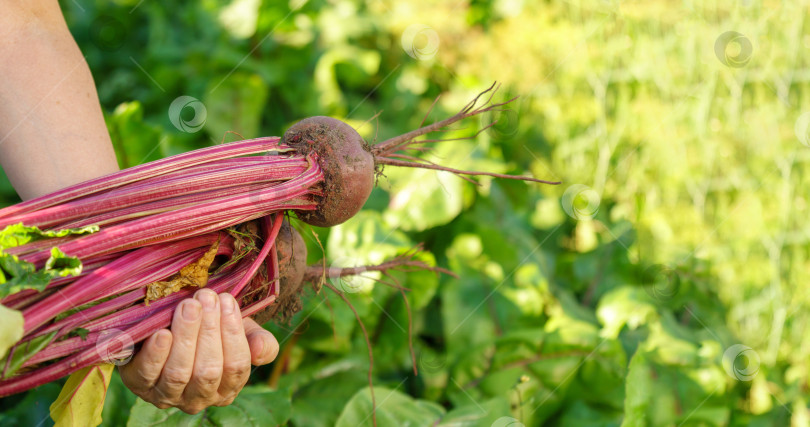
194	274
82	398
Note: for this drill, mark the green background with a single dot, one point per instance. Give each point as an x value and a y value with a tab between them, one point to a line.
665	282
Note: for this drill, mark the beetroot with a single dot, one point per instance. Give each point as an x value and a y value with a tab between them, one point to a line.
347	165
147	223
292	263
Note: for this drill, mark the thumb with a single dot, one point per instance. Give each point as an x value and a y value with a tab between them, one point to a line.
263	345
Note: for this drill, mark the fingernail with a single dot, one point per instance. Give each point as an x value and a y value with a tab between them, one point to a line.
227	304
163	340
208	298
191	311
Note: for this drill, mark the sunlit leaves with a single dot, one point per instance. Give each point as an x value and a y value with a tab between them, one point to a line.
235	103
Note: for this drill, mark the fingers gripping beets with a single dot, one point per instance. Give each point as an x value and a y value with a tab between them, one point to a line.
204	360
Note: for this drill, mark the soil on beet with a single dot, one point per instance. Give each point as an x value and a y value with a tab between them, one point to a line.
292	263
347	164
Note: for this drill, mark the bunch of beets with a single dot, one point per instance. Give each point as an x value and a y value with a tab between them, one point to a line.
146	237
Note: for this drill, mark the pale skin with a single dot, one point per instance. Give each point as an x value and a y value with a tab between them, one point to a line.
52	135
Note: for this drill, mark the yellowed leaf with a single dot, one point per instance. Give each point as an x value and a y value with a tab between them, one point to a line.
82	398
11	330
194	274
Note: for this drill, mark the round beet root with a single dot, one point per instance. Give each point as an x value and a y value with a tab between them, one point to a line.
292	263
347	164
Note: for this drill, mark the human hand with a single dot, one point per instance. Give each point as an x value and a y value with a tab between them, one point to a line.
204	360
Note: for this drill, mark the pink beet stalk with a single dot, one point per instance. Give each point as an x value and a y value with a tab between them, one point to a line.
148	170
271	232
132	290
154	219
27	296
82	291
125	318
100	351
135	194
146	209
164	225
138	312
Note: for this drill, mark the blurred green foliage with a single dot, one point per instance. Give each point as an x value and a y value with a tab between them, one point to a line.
665	282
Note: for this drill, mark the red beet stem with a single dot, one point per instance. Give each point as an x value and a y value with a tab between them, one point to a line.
229	211
132	290
271	227
147	170
93	354
174	203
105	279
136	194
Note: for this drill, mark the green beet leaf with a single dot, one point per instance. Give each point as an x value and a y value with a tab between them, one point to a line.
18	275
394	408
19	234
256	406
21	353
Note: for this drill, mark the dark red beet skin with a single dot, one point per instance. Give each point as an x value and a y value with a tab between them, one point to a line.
347	163
292	263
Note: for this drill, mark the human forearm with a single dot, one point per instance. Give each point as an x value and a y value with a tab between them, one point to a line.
52	131
52	134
